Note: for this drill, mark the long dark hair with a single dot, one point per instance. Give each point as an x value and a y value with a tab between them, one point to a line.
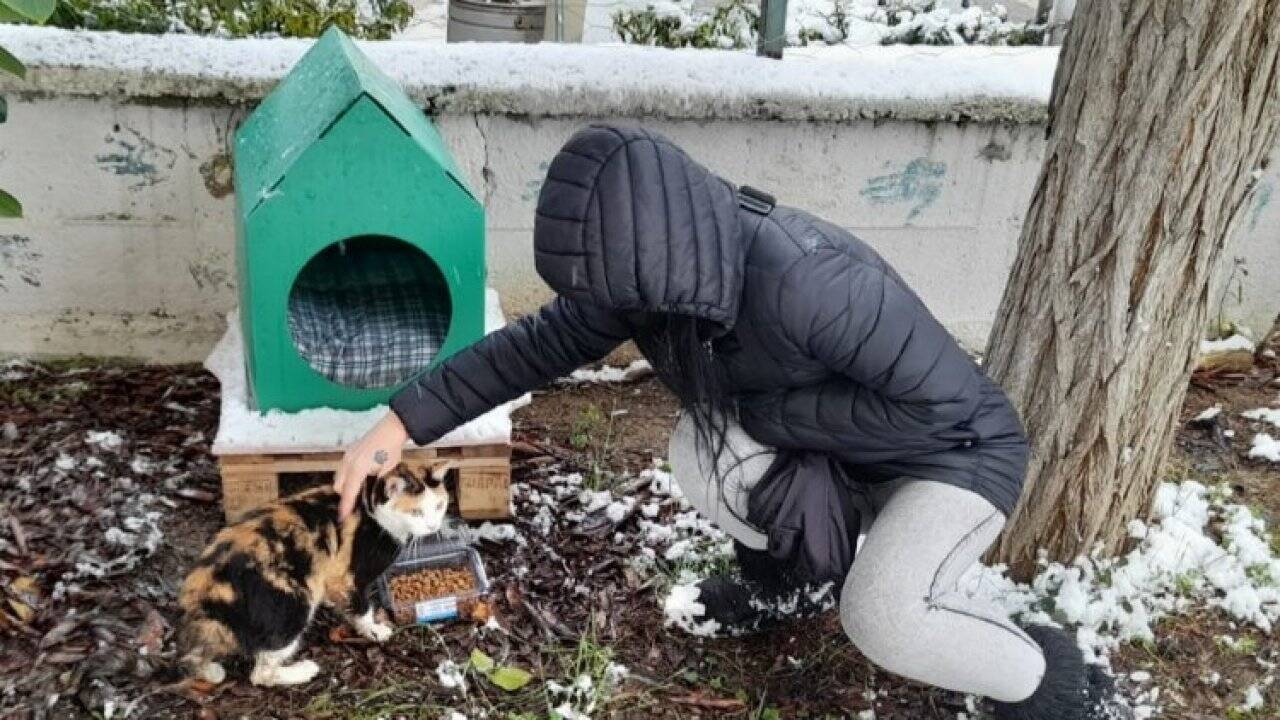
680	349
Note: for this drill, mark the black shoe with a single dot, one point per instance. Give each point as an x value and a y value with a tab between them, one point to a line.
731	604
1063	693
762	571
1105	703
741	607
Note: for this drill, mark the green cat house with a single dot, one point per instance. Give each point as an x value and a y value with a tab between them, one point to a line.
360	249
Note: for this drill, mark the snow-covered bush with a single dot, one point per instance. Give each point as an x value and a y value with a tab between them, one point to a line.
370	19
676	25
735	24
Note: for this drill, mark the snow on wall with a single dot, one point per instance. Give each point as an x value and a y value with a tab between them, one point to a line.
916	83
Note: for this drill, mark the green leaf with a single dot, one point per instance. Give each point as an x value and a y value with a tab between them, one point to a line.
480	661
510	679
9	206
9	16
36	10
11	64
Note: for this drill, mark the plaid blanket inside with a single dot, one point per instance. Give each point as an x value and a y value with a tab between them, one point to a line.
369	313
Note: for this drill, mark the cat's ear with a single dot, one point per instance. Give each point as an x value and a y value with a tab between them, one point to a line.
442	474
396	483
393	485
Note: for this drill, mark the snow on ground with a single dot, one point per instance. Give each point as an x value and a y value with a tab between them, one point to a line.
1267	415
1208	414
242	429
1265	447
1199	550
607	373
1235	342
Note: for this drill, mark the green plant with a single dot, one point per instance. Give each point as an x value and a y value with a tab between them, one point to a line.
732	25
32	11
592	433
236	18
590	678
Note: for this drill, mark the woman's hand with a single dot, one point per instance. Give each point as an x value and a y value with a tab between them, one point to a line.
377	453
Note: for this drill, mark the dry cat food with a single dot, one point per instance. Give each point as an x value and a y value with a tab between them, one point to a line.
430	594
431	583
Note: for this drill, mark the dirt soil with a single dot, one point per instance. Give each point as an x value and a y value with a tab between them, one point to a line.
567	604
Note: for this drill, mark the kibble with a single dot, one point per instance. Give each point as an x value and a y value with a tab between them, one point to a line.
431	583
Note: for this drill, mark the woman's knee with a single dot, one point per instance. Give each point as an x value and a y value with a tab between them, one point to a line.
880	617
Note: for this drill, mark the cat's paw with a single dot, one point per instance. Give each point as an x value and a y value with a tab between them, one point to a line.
370	628
301	672
378	632
212	672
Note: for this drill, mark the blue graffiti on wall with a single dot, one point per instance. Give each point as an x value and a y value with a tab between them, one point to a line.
919	185
1261	199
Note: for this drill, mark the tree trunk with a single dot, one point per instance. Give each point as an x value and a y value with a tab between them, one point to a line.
1162	111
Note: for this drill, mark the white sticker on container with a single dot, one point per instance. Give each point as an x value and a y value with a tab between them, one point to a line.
428	611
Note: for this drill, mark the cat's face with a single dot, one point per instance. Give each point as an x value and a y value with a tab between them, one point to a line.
410	504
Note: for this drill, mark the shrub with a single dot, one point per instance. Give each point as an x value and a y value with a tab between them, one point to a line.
375	20
735	24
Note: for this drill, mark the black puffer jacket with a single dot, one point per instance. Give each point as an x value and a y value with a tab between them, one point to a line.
825	346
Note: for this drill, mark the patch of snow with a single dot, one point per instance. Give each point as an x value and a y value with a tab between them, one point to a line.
1253	699
682	609
1235	342
618	510
499	533
1177	564
1267	415
607	373
451	675
242	429
593	500
104	439
1265	447
556	79
1208	414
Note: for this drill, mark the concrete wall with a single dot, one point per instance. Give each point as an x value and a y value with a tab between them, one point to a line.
127	244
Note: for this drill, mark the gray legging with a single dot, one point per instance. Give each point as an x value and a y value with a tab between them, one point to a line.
900	604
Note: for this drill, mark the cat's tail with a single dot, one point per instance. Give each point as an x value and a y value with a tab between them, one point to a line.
201	642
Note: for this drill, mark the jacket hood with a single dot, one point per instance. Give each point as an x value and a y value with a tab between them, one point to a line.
626	220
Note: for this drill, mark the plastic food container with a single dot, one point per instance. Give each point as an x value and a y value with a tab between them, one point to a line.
420	559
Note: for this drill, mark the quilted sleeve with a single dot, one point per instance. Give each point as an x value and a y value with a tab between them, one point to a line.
525	355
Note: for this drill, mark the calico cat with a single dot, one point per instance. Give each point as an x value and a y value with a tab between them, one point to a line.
258	584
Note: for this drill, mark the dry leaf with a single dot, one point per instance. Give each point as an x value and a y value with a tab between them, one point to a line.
21	610
200	686
710	703
151	637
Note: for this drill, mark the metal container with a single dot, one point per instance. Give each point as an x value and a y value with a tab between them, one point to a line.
477	20
433	554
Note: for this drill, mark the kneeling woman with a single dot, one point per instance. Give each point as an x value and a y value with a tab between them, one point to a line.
820	398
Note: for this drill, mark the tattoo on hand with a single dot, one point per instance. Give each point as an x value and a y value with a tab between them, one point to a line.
380	457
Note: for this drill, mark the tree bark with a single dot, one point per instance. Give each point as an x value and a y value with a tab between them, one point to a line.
1162	112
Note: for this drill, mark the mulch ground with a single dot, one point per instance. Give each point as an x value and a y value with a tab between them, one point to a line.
87	612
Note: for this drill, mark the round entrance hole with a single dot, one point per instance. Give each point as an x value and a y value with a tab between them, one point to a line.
369	312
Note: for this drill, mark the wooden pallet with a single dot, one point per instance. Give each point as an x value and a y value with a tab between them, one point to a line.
484	476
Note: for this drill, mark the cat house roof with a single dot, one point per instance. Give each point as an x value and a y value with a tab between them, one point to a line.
309	102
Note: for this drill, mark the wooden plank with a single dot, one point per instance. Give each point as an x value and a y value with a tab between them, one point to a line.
243	491
484	481
484	493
